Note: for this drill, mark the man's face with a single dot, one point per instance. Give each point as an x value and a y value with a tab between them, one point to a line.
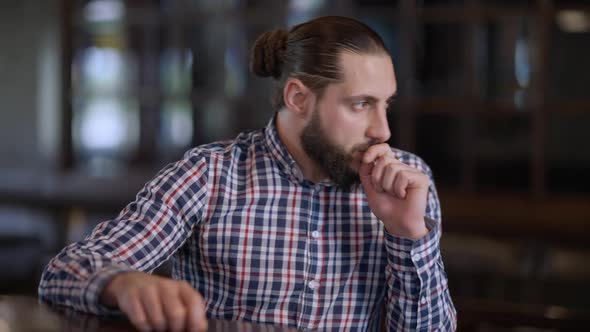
350	117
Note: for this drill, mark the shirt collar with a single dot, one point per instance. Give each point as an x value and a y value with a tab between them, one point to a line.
279	152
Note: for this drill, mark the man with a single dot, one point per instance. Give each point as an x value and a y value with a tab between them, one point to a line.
313	222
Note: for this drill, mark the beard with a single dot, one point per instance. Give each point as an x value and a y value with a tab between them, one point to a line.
334	160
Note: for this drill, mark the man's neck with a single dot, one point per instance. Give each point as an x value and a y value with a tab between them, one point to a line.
289	130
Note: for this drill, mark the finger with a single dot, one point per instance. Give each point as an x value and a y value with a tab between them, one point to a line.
132	308
415	180
376	151
389	177
174	308
196	316
152	305
365	170
400	184
377	174
365	177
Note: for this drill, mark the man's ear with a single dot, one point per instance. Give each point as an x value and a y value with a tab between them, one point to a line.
297	97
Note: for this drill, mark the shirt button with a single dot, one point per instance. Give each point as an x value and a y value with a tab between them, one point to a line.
313	285
423	300
416	258
315	234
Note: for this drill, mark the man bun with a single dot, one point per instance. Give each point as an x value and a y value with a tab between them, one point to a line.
268	53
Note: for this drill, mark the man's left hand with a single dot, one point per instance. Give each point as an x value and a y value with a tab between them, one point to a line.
396	193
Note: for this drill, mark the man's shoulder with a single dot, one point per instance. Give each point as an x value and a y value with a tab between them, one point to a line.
411	159
228	148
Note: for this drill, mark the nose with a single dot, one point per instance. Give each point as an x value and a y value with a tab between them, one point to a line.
379	127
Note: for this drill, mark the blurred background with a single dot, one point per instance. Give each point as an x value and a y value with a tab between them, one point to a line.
96	96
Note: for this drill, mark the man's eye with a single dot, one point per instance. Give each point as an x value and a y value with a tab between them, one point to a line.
361	105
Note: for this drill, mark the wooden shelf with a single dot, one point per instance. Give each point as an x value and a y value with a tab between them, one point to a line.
561	219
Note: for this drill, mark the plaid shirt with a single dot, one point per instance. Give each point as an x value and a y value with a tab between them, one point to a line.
263	244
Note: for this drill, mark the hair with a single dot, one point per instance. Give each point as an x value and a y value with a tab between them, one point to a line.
311	52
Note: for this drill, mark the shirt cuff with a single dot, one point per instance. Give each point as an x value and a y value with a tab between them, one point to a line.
95	284
405	255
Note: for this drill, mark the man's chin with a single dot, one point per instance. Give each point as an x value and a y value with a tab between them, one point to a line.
355	165
358	154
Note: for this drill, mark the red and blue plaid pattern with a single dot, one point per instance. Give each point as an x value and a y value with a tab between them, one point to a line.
263	244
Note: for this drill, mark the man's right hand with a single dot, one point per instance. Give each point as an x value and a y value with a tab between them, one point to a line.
156	303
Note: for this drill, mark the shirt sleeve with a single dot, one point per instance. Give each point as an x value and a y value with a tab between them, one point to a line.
143	236
418	298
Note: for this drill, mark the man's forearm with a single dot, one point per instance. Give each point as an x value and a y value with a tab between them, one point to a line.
418	295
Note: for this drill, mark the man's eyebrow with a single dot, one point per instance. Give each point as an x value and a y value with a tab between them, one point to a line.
370	98
361	97
392	97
